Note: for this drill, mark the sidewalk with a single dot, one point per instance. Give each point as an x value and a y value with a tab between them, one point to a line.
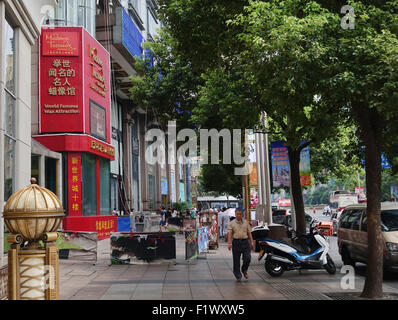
207	278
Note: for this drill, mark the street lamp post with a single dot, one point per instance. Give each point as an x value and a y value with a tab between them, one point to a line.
32	215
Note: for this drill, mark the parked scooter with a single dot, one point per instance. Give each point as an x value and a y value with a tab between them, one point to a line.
282	256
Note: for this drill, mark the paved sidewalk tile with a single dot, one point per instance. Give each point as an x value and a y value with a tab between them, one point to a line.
208	278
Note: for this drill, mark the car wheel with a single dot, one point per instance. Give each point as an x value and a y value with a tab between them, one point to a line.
346	257
273	268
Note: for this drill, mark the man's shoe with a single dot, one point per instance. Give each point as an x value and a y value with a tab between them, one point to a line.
245	275
238	279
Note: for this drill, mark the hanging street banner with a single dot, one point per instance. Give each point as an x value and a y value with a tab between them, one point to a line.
280	164
281	168
305	167
164	186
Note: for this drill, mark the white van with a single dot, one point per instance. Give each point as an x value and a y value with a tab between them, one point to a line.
342	202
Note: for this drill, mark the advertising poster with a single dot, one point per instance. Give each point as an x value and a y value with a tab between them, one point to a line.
280	164
281	168
164	185
191	244
80	246
253	175
203	239
253	197
143	248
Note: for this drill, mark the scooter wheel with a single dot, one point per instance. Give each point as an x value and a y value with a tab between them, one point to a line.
330	266
274	268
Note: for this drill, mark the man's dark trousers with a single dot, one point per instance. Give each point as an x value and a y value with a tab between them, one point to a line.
240	247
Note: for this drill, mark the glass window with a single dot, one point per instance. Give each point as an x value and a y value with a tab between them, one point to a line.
344	218
10	114
389	220
151	186
9	166
51	174
74	13
86	15
353	220
136	5
89	185
97	120
105	186
9	71
114	193
9	110
152	24
364	226
35	167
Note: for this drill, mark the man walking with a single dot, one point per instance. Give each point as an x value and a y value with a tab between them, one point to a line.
241	242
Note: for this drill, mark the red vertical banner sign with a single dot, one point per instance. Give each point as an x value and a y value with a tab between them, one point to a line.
75	184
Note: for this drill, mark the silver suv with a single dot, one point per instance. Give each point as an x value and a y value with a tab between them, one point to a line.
352	237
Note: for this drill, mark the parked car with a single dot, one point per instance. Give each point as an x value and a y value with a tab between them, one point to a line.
352	235
279	216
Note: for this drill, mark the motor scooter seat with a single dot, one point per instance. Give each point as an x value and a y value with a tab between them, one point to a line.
299	249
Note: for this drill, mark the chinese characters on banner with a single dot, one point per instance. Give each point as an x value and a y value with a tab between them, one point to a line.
104	227
97	73
61	74
74	184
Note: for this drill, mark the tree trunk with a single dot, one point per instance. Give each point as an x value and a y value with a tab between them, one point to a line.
370	126
296	191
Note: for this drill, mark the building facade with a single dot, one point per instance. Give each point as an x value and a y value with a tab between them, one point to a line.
20	24
65	105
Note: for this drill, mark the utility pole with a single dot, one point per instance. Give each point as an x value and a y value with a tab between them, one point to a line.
264	185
